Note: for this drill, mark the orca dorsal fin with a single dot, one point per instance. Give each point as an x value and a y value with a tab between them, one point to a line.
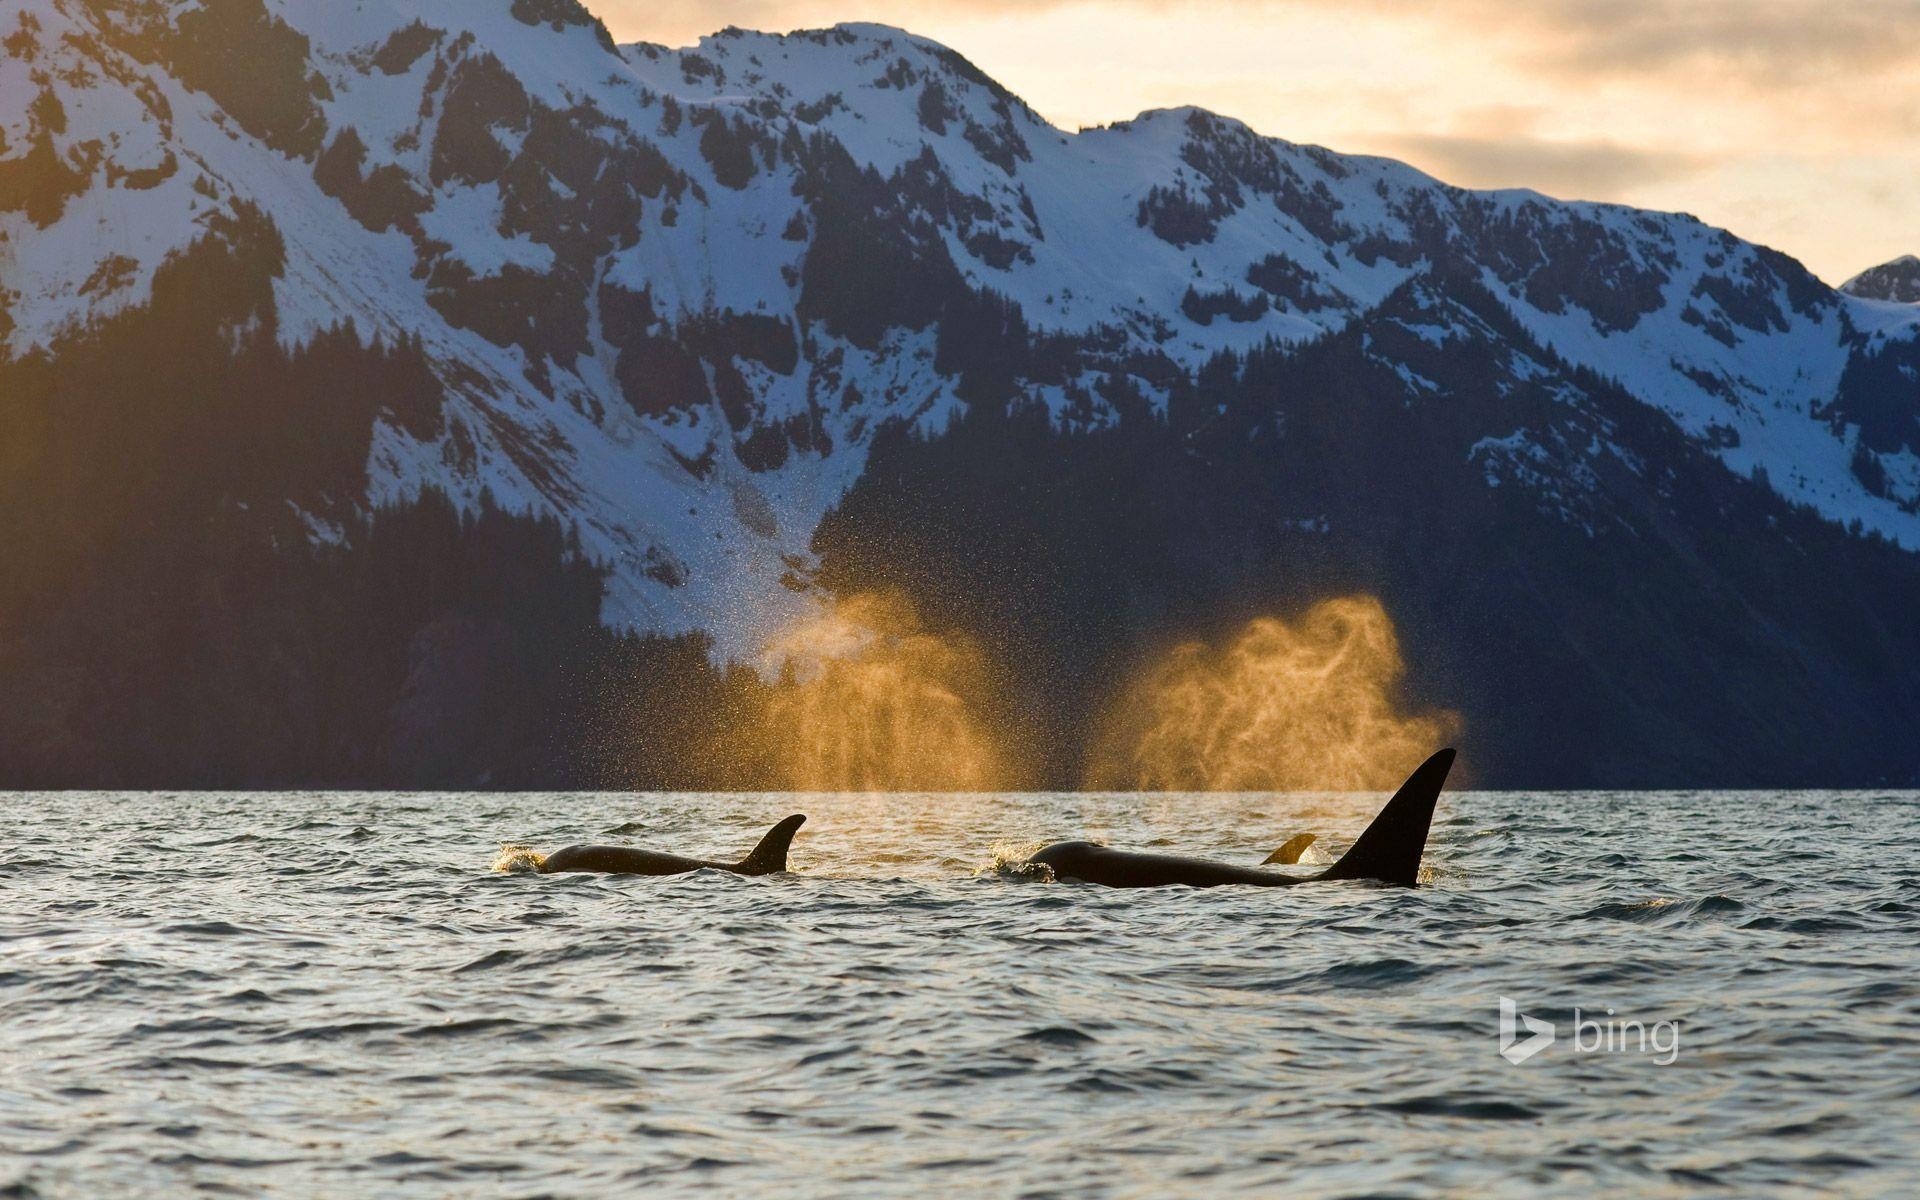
1290	853
770	856
1391	847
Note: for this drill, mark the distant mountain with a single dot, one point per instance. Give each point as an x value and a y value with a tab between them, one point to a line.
1643	495
1898	281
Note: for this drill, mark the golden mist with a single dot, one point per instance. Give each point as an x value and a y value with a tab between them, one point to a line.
1307	705
870	701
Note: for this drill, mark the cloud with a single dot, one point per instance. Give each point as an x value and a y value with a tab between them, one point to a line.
1760	42
1589	170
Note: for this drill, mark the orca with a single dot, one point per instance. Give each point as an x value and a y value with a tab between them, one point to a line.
1290	853
1389	851
768	858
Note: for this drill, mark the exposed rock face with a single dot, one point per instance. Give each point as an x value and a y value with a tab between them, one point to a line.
627	287
1898	281
752	254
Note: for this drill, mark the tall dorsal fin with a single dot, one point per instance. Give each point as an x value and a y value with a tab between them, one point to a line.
1391	847
770	856
1290	853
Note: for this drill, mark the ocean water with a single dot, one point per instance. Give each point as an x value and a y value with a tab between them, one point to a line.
300	995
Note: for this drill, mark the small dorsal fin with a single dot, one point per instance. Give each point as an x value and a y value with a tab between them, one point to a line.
1290	853
770	856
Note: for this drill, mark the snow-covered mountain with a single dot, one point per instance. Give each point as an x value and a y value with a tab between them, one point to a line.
672	295
1897	281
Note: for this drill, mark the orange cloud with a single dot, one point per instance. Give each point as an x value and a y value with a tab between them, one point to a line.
1579	170
1771	40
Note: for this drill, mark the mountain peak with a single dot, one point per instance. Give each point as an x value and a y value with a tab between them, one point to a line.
1898	281
674	294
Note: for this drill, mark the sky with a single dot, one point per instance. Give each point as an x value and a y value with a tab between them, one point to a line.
1795	123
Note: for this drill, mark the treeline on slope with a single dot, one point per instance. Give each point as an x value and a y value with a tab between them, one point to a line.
166	619
1700	632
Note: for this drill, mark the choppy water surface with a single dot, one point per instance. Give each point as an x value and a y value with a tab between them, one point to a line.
322	995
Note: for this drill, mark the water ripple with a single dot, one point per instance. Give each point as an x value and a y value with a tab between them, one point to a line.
309	995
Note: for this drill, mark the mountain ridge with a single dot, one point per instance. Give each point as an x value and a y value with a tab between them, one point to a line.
1896	281
673	299
1154	237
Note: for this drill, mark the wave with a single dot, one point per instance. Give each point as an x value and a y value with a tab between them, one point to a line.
519	860
1664	910
1011	860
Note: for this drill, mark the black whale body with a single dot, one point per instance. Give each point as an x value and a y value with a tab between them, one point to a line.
1389	851
768	858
